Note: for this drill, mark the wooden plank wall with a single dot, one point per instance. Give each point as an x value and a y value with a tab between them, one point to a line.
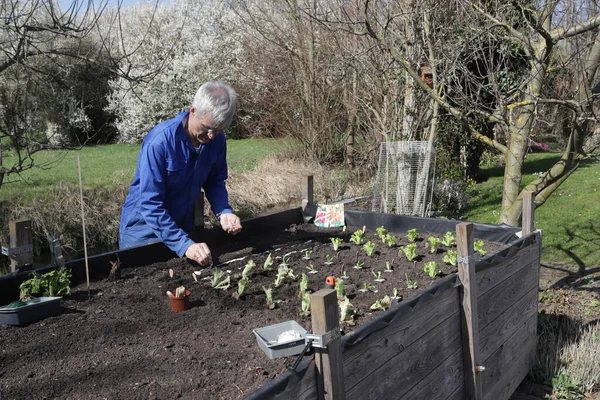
418	356
507	300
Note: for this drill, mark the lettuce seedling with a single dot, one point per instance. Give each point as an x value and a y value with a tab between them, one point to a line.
395	294
368	288
358	237
336	243
247	272
478	246
329	259
241	287
410	251
432	269
451	257
369	248
284	272
339	288
381	232
377	276
311	269
307	254
303	284
388	267
268	264
390	240
410	284
358	265
305	305
344	275
346	314
271	303
412	235
433	243
449	239
381	304
219	280
284	261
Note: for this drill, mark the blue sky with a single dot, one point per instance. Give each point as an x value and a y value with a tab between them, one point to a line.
82	4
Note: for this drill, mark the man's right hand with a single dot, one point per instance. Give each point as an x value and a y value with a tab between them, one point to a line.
200	253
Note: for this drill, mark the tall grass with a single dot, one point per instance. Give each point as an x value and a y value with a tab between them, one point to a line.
569	218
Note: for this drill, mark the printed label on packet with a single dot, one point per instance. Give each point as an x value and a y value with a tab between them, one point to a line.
330	216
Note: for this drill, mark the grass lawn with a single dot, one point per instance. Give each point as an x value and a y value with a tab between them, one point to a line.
569	219
101	166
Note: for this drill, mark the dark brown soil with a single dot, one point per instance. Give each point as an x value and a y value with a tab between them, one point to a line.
124	342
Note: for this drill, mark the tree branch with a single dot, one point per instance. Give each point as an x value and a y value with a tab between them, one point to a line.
562	33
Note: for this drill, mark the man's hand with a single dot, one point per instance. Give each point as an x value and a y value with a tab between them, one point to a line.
230	223
200	253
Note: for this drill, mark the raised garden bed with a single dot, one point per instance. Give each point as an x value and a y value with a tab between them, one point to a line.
123	340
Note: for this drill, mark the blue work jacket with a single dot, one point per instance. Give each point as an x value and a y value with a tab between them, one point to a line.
170	174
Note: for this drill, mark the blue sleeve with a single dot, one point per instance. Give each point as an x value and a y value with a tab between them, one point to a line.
214	186
152	200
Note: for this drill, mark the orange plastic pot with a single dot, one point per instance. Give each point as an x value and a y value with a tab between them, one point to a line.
179	304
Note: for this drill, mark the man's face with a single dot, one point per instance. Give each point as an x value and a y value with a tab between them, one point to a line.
201	128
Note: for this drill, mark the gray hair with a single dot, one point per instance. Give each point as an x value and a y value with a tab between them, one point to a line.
218	100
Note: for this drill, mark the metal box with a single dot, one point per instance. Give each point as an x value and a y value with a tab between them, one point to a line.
268	339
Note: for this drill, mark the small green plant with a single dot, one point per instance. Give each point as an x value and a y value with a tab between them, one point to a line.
358	237
381	304
271	303
336	243
390	240
449	239
381	232
412	235
285	261
329	259
346	313
369	248
433	243
368	288
220	280
410	251
268	264
305	305
311	269
410	284
303	284
247	272
53	283
283	273
478	246
339	288
388	267
432	269
451	257
344	275
566	387
395	294
377	276
307	254
241	287
358	264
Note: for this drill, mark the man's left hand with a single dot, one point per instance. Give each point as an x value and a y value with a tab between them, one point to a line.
230	223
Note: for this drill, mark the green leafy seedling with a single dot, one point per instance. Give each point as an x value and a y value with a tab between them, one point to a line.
388	267
220	280
410	251
329	259
358	264
53	283
311	269
377	276
346	313
358	237
241	287
336	243
381	304
433	243
305	305
449	239
339	288
478	246
451	257
271	302
432	269
307	254
247	272
368	288
390	240
268	264
303	284
410	284
412	235
369	248
381	232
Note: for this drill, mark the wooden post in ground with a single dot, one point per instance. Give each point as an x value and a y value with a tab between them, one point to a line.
307	190
325	321
470	322
199	212
527	224
21	246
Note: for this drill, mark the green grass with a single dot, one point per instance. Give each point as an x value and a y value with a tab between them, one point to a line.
102	166
569	219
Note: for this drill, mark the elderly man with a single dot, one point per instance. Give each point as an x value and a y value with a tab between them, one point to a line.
178	158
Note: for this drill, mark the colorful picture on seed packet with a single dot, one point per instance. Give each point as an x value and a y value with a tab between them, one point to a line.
330	215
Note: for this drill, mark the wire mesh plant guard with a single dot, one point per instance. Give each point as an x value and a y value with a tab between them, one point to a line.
404	178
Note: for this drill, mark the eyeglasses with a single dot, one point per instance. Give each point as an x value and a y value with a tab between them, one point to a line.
206	129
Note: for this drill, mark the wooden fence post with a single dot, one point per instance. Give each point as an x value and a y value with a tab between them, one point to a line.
527	224
470	322
329	362
21	246
307	190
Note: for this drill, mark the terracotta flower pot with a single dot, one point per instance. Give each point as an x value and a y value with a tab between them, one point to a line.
180	303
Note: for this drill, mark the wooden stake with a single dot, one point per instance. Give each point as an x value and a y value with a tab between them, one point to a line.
470	322
20	244
527	223
87	271
307	190
329	362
